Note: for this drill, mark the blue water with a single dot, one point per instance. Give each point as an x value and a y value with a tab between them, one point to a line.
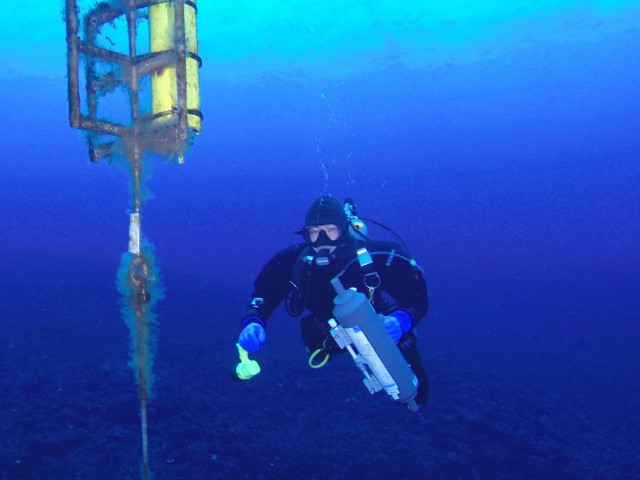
514	180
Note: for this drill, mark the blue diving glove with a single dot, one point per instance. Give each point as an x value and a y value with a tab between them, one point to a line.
252	337
397	324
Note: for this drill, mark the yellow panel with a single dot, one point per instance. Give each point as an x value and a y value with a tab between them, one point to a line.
163	83
193	86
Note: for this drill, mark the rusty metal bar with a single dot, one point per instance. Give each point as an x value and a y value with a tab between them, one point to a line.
88	48
103	54
102	127
150	62
133	68
103	13
73	84
181	70
101	151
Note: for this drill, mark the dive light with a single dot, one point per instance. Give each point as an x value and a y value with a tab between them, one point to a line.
247	368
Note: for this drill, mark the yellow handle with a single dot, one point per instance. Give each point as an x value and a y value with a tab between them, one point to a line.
247	368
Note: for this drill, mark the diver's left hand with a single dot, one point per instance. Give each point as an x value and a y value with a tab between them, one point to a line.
397	324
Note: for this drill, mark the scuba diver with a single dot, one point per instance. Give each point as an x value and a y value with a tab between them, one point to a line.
301	275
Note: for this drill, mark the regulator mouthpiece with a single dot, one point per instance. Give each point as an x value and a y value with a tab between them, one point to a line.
247	368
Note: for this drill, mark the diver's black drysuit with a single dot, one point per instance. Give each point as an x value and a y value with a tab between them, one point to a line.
293	275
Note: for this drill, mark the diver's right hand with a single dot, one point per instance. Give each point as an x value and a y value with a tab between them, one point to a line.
252	337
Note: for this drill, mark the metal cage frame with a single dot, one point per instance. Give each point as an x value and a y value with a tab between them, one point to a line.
168	139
